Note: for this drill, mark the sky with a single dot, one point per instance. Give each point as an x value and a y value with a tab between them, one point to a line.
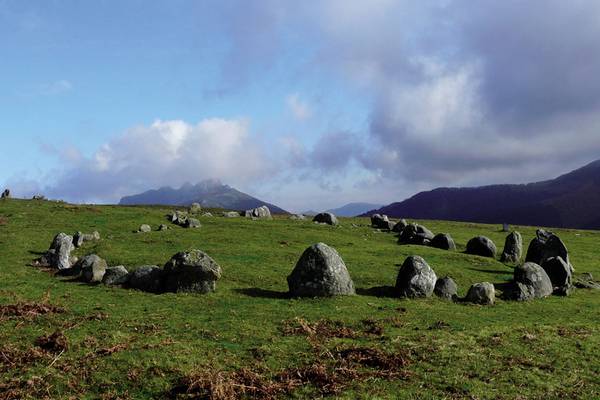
307	105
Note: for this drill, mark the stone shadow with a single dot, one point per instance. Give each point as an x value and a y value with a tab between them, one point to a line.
264	293
377	291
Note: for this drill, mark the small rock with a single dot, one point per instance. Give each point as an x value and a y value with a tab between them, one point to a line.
231	214
192	223
415	278
144	228
446	288
195	208
443	241
481	293
148	278
481	246
297	216
207	214
163	227
115	276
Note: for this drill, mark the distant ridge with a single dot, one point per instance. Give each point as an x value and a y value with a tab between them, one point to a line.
353	209
569	201
209	193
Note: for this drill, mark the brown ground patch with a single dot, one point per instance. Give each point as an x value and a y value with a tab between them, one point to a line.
12	358
323	328
28	310
3	220
54	343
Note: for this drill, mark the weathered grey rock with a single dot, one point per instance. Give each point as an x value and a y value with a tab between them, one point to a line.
443	241
325	218
191	271
399	226
195	208
144	228
192	223
481	293
115	276
38	197
415	234
178	217
60	251
148	278
297	216
536	246
446	288
559	273
513	248
231	214
530	282
80	238
261	212
555	247
481	246
207	214
320	272
163	227
5	194
380	222
415	278
92	268
586	281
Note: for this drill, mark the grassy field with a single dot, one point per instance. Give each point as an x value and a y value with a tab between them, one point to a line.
247	337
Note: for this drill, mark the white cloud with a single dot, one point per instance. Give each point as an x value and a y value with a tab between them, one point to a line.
299	108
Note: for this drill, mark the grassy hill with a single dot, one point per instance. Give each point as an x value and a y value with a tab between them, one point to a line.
248	337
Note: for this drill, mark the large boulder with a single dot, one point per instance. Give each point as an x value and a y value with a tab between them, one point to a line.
555	247
261	212
481	246
446	288
536	246
320	272
59	254
513	248
443	241
148	278
559	273
415	278
325	218
115	276
92	268
481	293
191	271
530	282
400	225
382	222
415	234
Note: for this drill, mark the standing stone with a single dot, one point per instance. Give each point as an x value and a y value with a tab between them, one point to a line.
115	276
443	241
148	278
415	278
559	273
261	212
530	282
325	218
446	288
191	271
400	225
80	238
513	248
536	246
5	194
415	234
195	208
92	268
554	247
505	227
481	293
144	228
320	272
60	251
481	246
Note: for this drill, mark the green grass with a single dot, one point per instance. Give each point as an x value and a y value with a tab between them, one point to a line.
548	348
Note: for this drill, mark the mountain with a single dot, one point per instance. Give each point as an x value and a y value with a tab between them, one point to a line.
209	193
353	209
569	201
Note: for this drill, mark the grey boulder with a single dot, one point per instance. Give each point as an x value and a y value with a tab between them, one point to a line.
60	251
513	248
148	278
195	208
381	222
443	241
536	246
445	288
415	278
320	272
231	214
144	228
115	276
80	238
481	293
325	218
92	268
559	273
530	282
399	226
415	234
192	272
261	212
481	246
192	223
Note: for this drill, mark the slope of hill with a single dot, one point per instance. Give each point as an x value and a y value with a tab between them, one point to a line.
353	209
209	193
569	201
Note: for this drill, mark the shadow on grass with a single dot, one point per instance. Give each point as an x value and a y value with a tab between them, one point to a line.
37	253
493	271
264	293
377	291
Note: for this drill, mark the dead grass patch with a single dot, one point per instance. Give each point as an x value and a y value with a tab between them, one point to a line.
54	343
28	310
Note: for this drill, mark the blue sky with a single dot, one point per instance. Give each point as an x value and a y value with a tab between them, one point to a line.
306	105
